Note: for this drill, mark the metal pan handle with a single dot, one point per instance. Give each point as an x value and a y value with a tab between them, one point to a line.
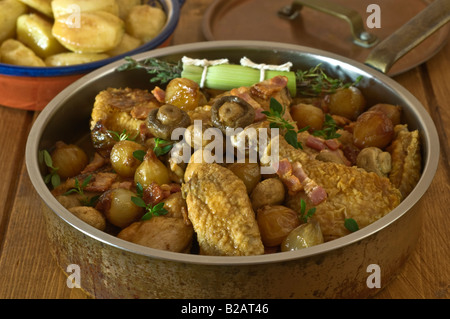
429	20
360	36
391	49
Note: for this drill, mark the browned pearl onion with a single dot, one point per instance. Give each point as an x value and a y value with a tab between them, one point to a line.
275	223
373	128
118	208
394	112
151	170
70	159
184	94
122	160
307	115
347	102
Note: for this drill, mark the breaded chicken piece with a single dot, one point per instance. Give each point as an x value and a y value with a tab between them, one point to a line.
351	193
406	159
220	211
122	109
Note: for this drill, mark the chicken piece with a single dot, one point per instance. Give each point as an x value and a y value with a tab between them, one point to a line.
160	232
351	193
220	211
122	109
90	216
406	159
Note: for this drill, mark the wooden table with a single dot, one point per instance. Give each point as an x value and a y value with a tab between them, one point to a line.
27	269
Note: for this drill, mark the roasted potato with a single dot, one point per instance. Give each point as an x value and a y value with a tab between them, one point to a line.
36	33
63	7
43	6
145	22
127	44
98	32
125	7
16	53
10	10
72	58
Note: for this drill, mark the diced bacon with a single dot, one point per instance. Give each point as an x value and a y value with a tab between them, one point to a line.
141	112
315	193
244	93
291	182
333	144
315	143
155	193
270	87
97	163
101	182
259	116
159	94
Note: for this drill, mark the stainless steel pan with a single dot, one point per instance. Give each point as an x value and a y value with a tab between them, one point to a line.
113	268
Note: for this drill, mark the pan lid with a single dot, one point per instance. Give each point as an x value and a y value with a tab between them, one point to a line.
298	22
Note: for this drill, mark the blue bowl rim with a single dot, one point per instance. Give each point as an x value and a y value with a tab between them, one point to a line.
169	28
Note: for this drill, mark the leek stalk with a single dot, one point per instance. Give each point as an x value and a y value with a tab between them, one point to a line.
229	76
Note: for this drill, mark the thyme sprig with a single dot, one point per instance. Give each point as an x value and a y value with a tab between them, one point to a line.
52	177
329	129
150	211
162	146
276	119
124	136
315	82
79	189
163	71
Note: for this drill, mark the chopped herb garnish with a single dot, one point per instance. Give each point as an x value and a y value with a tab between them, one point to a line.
275	117
315	82
351	224
163	71
329	129
53	177
122	136
162	146
139	154
79	189
150	211
304	215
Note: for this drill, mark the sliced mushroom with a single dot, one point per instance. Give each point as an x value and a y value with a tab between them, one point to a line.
373	159
162	121
231	112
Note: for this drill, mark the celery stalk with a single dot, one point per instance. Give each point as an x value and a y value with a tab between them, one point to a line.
229	76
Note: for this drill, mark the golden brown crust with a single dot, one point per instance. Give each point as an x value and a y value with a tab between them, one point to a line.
406	159
351	193
221	213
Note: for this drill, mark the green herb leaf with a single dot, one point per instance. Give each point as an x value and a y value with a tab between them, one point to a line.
329	129
138	201
305	215
53	177
79	189
275	117
163	71
122	136
139	154
315	82
162	146
351	224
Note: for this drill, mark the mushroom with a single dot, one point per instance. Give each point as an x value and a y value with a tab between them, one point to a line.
163	120
231	112
373	159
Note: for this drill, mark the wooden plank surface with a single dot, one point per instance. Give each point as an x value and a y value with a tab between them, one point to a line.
27	269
